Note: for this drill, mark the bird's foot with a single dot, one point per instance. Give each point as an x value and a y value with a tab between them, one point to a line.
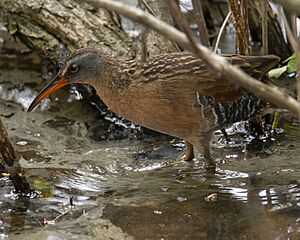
210	169
210	165
187	157
226	137
189	152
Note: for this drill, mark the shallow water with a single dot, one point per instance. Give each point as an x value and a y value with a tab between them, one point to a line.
136	189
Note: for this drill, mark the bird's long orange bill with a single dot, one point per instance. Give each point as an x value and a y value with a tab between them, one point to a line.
57	83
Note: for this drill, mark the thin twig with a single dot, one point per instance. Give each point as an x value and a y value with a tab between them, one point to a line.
264	15
202	29
149	9
221	31
215	62
177	16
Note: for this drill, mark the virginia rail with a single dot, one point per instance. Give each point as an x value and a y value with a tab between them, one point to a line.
173	93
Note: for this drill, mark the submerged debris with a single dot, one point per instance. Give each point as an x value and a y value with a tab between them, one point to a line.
10	163
211	197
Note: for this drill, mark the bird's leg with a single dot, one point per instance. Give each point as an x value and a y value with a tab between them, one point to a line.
225	134
209	162
189	152
203	146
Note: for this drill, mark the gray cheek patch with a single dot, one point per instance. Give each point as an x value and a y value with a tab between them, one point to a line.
89	63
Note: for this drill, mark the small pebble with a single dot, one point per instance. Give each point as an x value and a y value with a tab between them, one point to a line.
163	189
22	143
181	199
157	212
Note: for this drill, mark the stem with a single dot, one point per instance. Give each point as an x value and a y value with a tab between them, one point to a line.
264	15
241	28
221	31
149	9
202	29
245	17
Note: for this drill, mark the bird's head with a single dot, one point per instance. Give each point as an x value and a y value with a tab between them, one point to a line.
83	66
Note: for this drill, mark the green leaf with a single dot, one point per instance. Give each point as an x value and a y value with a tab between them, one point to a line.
289	58
292	64
277	72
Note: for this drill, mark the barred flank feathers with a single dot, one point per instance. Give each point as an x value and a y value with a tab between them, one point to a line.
247	107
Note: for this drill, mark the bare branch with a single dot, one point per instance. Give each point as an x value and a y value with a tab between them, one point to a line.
215	62
202	29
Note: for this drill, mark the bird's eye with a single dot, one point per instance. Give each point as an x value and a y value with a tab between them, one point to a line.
73	68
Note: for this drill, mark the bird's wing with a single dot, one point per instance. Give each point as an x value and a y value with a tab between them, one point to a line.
182	73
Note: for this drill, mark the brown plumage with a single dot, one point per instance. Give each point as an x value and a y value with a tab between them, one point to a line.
173	93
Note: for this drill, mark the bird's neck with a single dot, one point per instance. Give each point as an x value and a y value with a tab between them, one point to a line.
114	84
115	77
